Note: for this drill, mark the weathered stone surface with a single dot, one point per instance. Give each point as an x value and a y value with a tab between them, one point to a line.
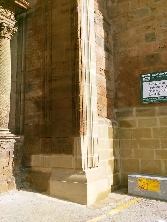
7	140
7	180
72	73
146	143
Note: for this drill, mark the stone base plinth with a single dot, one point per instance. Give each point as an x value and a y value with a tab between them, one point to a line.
7	180
78	186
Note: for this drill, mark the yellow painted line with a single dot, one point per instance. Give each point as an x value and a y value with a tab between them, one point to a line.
97	218
116	210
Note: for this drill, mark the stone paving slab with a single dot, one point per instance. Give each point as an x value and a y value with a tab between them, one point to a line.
24	206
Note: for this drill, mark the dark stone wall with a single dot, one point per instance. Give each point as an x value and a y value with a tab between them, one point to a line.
46	78
139	38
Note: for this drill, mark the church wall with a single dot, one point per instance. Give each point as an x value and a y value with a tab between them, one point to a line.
130	39
142	139
108	143
139	35
139	38
46	77
51	95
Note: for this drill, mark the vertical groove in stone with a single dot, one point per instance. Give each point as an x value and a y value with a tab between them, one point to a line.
20	76
47	16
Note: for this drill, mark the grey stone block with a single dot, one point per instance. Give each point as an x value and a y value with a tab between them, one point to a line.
151	186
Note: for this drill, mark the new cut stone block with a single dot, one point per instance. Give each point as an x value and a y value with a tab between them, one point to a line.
151	186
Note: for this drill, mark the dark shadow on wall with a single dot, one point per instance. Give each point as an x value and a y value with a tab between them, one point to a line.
35	89
28	113
105	82
42	100
16	116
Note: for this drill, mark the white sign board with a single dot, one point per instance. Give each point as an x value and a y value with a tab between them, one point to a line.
154	87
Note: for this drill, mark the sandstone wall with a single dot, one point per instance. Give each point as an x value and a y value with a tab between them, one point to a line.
143	144
104	61
139	35
108	144
130	39
55	102
51	112
139	40
45	104
49	78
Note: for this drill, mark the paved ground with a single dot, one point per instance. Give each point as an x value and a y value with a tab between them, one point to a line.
22	206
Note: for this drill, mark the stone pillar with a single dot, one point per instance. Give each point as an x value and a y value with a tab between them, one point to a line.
88	88
7	29
7	140
86	182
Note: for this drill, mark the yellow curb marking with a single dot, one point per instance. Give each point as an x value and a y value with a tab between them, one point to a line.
116	210
97	218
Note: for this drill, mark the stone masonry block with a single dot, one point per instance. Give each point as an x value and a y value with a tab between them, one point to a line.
124	113
164	165
103	155
149	144
37	161
116	179
62	161
161	154
163	121
109	144
125	134
144	153
148	186
4	161
141	133
110	132
99	132
102	144
116	133
128	144
124	179
138	13
128	123
116	144
151	166
145	112
160	132
162	111
150	37
152	59
126	153
130	165
163	143
116	165
149	122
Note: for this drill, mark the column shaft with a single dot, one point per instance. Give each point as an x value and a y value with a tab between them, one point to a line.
5	82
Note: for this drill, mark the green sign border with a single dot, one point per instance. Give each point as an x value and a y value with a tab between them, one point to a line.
154	76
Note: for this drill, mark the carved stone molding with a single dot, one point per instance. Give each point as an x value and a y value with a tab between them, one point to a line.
7	23
16	6
6	30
